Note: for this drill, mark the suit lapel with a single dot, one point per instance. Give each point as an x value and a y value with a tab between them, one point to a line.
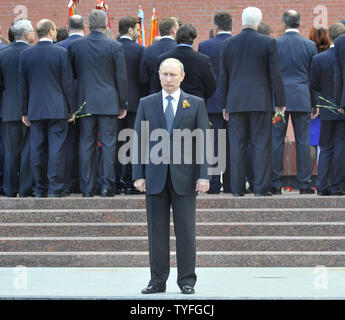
158	110
179	111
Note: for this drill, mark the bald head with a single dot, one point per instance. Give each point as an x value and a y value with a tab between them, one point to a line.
76	23
291	19
45	29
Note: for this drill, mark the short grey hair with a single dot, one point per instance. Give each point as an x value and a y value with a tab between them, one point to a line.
251	17
178	62
97	20
20	28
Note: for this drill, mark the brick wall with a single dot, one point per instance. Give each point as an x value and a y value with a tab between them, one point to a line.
200	13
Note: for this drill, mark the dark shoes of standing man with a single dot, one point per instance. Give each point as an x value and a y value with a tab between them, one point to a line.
158	288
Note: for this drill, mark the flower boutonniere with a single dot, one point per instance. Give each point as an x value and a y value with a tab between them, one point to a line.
185	104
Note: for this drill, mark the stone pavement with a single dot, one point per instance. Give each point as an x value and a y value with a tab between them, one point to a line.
213	283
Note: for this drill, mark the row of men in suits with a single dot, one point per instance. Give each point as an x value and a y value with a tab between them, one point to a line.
203	72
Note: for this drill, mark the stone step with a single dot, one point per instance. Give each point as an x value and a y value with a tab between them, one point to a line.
203	201
202	229
118	244
204	259
203	215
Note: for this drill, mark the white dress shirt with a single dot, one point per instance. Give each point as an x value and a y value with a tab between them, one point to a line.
174	101
292	30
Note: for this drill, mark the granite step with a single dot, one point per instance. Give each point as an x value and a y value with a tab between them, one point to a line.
203	201
139	244
203	215
204	259
202	229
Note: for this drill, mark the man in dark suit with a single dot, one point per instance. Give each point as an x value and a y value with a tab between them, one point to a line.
168	183
167	29
47	99
213	48
200	79
332	130
295	55
249	75
17	171
76	27
129	30
100	69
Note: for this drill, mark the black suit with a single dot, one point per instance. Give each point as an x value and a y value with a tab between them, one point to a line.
2	46
100	69
47	98
148	63
249	74
175	186
17	171
295	55
133	53
199	79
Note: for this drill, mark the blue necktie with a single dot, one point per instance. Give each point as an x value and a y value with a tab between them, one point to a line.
169	114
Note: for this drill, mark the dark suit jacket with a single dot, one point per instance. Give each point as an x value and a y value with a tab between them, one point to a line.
249	72
99	66
133	52
148	63
46	82
66	43
295	55
322	81
9	81
199	80
213	48
339	83
183	176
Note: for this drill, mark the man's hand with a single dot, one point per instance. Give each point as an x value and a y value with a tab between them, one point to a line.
71	117
123	113
202	185
26	121
341	110
281	109
314	112
140	184
225	115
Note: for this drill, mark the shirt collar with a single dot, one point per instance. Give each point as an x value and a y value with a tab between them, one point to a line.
76	33
175	95
21	41
46	39
292	30
224	32
185	45
126	37
332	45
167	37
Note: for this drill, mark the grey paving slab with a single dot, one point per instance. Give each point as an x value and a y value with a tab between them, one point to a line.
213	283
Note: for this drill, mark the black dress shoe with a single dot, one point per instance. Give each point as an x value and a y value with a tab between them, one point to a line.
132	191
60	194
26	195
107	193
187	289
238	194
323	193
264	194
87	194
40	195
154	289
212	192
307	191
276	191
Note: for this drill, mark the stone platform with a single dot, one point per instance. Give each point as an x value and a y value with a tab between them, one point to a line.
280	231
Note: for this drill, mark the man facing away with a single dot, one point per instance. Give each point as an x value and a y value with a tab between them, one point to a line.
213	48
295	55
249	75
47	99
168	183
100	69
17	171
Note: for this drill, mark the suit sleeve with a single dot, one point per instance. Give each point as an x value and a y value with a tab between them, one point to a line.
137	163
210	80
338	78
144	74
156	81
23	87
314	94
315	84
275	74
67	82
121	77
203	124
224	77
